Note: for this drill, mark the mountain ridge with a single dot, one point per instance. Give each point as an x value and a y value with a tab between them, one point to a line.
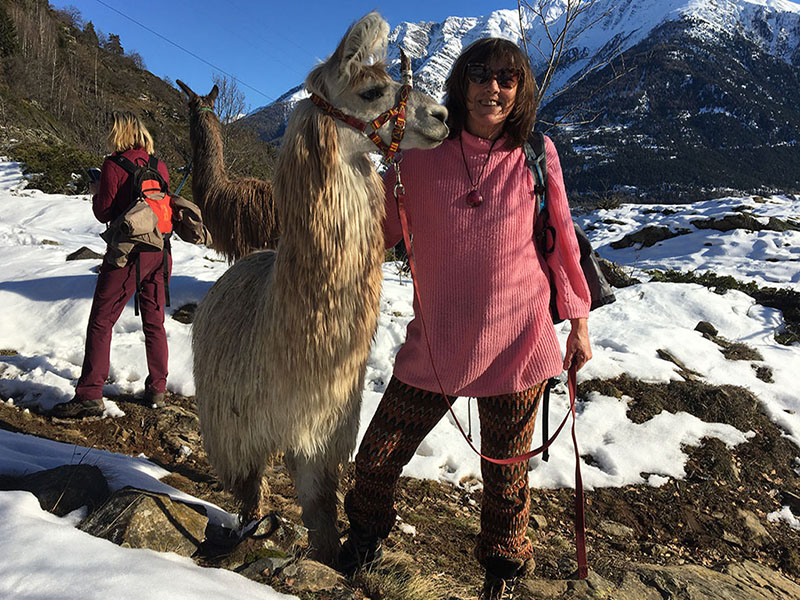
721	33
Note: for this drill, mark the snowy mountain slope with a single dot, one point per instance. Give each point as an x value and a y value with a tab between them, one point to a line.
710	84
609	26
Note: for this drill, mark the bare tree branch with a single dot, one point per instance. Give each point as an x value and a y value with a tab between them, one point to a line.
558	35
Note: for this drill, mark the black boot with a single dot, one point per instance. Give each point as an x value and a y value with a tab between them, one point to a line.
155	399
78	409
502	576
360	550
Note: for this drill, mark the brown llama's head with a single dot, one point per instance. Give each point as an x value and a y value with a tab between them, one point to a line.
197	102
354	80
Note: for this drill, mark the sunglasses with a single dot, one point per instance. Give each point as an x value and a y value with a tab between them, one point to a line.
480	73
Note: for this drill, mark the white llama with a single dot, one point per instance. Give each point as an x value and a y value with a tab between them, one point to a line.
281	340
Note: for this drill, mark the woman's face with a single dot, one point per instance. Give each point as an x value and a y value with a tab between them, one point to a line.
489	103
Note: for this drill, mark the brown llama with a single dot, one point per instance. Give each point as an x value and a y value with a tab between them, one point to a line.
239	213
282	338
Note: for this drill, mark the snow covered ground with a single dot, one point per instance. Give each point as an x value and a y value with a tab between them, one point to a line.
44	307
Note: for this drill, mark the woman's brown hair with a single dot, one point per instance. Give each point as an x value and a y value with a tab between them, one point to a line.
129	132
519	123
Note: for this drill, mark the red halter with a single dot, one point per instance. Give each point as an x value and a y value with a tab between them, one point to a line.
398	111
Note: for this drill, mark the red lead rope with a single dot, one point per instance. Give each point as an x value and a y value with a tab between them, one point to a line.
580	521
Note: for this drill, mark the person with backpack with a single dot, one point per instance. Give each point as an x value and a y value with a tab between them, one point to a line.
484	295
129	176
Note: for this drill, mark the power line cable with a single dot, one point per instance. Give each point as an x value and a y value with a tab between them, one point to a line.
189	52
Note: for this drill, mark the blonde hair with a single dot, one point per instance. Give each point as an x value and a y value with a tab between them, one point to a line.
129	132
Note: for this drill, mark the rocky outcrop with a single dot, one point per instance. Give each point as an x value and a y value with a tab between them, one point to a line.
141	519
84	253
646	237
746	221
63	489
739	581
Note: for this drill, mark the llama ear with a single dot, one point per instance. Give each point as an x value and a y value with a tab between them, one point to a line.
365	41
186	89
212	95
406	74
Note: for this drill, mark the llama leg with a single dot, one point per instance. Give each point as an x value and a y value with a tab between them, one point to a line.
251	493
316	482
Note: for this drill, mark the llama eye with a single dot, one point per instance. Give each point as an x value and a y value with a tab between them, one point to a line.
372	94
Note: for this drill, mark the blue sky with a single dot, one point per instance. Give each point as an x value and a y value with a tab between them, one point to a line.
268	46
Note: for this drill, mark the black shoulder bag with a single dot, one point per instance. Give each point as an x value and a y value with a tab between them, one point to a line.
544	236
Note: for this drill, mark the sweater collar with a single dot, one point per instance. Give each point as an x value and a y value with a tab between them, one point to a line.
477	145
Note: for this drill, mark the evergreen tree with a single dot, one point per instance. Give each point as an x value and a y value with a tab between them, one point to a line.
90	35
9	42
113	45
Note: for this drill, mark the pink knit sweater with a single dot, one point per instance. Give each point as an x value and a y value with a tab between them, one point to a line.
484	290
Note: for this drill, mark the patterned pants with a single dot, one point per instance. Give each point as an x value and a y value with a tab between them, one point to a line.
404	417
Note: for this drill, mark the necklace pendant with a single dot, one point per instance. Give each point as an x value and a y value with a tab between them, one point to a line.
474	198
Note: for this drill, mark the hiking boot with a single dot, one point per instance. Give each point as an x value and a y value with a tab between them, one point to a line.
359	551
78	409
498	588
155	399
502	576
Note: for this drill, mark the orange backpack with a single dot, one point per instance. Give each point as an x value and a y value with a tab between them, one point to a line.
147	184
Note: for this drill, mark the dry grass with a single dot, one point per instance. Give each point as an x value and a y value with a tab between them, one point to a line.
397	578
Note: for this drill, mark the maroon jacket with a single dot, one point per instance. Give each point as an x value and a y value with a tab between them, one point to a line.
114	188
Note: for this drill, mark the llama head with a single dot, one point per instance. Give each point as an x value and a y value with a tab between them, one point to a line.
354	80
197	102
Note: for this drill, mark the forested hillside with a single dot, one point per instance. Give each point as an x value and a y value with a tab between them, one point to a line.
60	80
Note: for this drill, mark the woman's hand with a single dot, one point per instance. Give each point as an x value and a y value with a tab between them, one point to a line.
579	351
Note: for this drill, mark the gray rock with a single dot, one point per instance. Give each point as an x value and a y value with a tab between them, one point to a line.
63	489
141	519
685	371
311	576
84	253
617	530
754	528
537	521
741	581
745	221
646	236
264	568
185	314
732	539
706	328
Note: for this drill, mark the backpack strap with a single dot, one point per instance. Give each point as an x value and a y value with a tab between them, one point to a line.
130	166
137	293
123	162
544	234
165	266
536	159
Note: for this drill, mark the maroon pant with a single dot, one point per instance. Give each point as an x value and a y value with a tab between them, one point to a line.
115	286
404	417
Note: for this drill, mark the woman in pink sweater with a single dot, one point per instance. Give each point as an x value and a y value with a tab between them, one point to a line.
485	294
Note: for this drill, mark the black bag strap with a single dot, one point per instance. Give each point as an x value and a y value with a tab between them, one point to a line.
166	274
138	287
124	162
536	159
131	167
544	234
